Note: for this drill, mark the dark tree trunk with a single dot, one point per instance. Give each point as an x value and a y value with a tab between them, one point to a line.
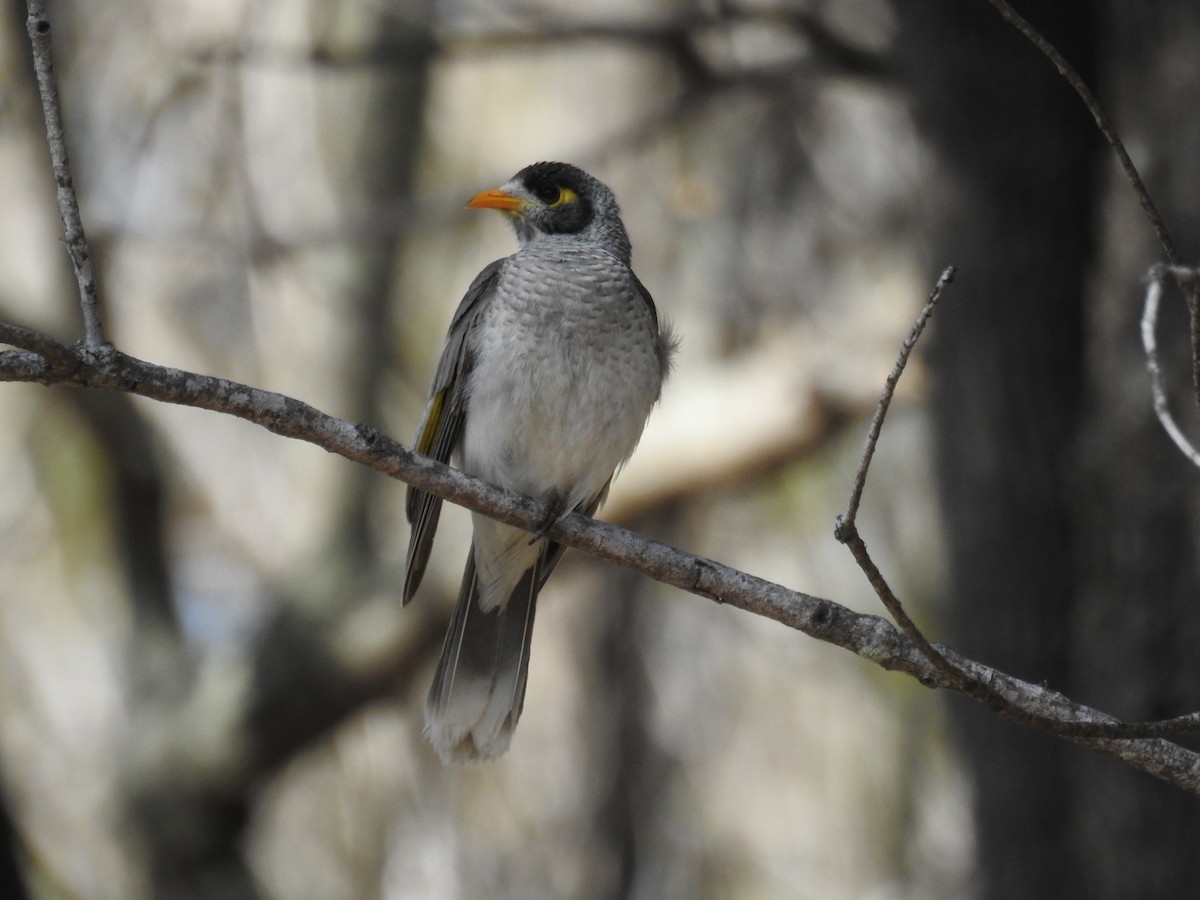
1138	621
1014	209
1071	517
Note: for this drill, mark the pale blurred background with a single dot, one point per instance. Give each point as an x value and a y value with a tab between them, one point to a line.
207	686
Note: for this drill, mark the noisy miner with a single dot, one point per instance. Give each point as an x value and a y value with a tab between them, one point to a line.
553	361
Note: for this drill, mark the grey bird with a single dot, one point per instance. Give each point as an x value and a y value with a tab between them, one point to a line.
551	366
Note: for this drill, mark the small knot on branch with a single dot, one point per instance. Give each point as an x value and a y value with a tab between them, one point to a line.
97	356
368	434
844	530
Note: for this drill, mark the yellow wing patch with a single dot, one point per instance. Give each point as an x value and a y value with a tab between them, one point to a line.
425	440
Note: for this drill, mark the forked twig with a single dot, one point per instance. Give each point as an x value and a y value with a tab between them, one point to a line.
955	676
846	529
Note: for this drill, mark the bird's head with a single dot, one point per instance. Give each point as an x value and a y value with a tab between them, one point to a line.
553	198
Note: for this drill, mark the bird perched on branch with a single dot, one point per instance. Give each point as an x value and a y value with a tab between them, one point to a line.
551	366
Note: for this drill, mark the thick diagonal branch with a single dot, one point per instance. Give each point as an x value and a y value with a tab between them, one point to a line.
870	637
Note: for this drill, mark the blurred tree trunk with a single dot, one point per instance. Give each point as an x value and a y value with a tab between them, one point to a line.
633	813
1014	210
191	831
1070	537
12	850
1138	620
379	174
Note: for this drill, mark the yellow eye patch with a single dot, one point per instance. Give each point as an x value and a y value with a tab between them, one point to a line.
565	196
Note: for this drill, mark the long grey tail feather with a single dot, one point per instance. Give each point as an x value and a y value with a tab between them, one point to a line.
479	687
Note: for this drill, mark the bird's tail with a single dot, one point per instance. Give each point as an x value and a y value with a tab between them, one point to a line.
479	686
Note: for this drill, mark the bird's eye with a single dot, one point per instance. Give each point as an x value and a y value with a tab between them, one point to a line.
549	194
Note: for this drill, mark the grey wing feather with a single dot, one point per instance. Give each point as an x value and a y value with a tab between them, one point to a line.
441	423
666	341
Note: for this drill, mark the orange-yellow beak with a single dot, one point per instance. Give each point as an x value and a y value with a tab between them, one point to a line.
496	199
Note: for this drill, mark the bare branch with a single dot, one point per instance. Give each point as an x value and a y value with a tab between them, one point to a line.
953	675
871	637
1150	343
38	25
95	364
1190	291
44	346
846	529
885	400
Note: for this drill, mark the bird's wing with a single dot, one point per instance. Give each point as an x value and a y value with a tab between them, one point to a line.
645	292
666	341
441	423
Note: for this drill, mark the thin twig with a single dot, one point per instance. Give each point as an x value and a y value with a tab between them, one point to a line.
954	678
846	529
38	25
1150	343
885	400
1190	291
43	345
955	675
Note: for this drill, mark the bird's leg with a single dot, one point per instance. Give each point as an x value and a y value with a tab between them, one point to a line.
556	506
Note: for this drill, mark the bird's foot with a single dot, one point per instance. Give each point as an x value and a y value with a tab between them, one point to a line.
556	507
